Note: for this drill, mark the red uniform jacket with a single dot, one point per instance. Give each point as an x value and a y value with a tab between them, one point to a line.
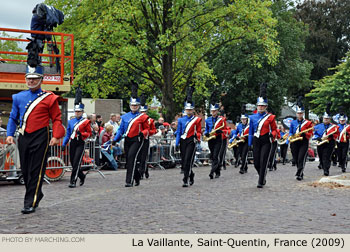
42	113
307	125
85	129
344	135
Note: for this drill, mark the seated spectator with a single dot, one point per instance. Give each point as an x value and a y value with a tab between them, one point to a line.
5	149
109	151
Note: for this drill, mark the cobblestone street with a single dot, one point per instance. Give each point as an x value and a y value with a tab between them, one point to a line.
230	204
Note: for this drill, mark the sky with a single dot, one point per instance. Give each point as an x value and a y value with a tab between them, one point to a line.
16	13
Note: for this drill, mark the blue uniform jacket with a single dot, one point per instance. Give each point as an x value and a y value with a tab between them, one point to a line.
181	126
19	107
70	129
124	125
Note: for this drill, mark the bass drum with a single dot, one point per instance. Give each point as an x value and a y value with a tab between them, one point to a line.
55	174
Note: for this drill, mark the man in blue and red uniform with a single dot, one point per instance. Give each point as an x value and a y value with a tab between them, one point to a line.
143	168
262	131
343	142
188	134
300	147
217	123
78	131
243	132
32	110
134	127
328	133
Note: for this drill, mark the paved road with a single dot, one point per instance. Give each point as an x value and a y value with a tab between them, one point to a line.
230	204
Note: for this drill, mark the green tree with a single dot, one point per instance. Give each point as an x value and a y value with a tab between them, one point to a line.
11	46
329	33
240	77
334	88
161	44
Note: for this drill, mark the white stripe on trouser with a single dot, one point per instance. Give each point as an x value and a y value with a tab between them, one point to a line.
135	161
79	164
192	159
274	157
219	157
302	170
268	158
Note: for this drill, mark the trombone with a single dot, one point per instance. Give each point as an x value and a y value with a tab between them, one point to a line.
212	133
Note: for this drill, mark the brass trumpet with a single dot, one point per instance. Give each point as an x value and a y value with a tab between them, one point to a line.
283	140
325	139
297	136
236	142
212	133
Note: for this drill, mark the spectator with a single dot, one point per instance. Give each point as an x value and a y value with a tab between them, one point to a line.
160	122
110	152
113	121
5	148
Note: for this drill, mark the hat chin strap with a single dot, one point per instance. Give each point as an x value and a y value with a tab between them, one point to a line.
31	87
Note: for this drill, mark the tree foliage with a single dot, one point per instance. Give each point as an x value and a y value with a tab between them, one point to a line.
334	88
240	78
161	44
11	46
329	33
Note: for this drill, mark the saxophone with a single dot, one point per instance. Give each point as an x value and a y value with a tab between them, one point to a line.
297	136
236	142
283	140
212	133
325	139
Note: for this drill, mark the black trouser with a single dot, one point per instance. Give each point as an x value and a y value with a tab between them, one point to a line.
215	146
132	148
343	154
334	155
284	149
77	148
272	159
243	150
299	151
33	152
236	154
261	154
325	152
223	154
143	157
188	151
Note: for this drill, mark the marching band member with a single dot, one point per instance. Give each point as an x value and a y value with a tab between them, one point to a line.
299	147
78	130
262	130
272	164
243	132
343	142
145	148
284	146
326	135
225	135
188	134
233	135
32	110
218	124
134	127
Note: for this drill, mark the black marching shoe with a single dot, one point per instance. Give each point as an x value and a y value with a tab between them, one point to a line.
128	185
28	210
260	186
241	171
72	185
299	178
211	175
146	175
185	184
343	169
326	173
192	179
217	175
82	180
137	182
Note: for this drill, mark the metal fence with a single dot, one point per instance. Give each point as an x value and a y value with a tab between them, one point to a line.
162	154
